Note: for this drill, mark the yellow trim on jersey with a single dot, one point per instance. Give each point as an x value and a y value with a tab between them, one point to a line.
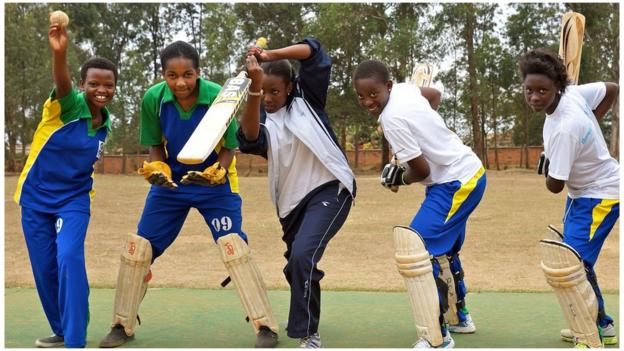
232	173
462	193
50	123
599	213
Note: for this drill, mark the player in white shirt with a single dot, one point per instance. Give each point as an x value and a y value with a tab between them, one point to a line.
310	181
429	153
577	156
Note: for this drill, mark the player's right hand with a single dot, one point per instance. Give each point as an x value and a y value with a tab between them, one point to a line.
542	165
392	176
157	173
57	36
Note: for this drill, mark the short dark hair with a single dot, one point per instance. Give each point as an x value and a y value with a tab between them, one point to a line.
179	49
372	69
281	68
97	62
546	62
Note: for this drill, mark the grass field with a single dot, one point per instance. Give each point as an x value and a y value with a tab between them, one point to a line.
363	300
198	318
500	252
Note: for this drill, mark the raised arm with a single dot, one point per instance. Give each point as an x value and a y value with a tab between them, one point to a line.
293	52
57	36
433	96
605	104
250	120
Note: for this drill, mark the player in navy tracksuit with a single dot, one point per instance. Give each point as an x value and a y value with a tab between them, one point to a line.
55	190
310	181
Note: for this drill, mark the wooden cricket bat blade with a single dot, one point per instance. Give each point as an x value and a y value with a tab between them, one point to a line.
422	75
215	122
571	43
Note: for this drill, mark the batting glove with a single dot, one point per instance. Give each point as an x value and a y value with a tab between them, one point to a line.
213	175
157	173
392	175
542	165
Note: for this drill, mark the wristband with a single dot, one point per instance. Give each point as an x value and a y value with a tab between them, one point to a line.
255	93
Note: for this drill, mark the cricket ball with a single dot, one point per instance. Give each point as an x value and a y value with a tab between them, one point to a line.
59	17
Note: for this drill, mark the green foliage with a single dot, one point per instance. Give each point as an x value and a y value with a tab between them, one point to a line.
474	46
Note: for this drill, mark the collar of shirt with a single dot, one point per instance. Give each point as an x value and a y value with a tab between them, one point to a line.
204	97
85	113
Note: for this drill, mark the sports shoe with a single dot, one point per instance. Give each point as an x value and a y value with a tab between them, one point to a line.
50	341
609	336
310	342
116	337
447	343
266	338
465	327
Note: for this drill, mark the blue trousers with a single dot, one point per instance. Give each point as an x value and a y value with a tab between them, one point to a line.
441	221
166	210
586	224
55	244
307	230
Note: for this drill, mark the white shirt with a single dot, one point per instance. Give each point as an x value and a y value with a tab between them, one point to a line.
299	171
575	145
413	128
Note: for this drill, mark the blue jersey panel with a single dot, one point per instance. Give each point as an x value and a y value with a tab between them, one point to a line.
61	175
177	131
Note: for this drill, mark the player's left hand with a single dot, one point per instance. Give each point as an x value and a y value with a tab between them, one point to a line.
213	175
392	176
254	72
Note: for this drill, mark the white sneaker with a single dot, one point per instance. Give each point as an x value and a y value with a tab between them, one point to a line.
609	336
310	342
50	341
447	343
465	327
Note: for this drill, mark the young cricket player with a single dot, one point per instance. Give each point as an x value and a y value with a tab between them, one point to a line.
310	181
55	188
170	112
427	152
577	156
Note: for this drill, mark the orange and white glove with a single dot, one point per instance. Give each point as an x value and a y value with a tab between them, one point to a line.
157	173
213	175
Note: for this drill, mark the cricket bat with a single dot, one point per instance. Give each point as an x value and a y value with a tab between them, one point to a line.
422	75
571	43
215	122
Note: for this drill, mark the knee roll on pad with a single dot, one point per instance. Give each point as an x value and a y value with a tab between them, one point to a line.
414	264
134	274
565	272
244	272
555	234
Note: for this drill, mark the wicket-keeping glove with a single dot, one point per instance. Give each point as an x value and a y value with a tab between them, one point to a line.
542	165
213	175
392	175
157	173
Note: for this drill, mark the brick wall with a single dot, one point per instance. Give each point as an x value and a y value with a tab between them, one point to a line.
508	157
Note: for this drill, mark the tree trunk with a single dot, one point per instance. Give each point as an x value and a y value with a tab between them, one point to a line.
356	146
495	125
525	145
472	73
